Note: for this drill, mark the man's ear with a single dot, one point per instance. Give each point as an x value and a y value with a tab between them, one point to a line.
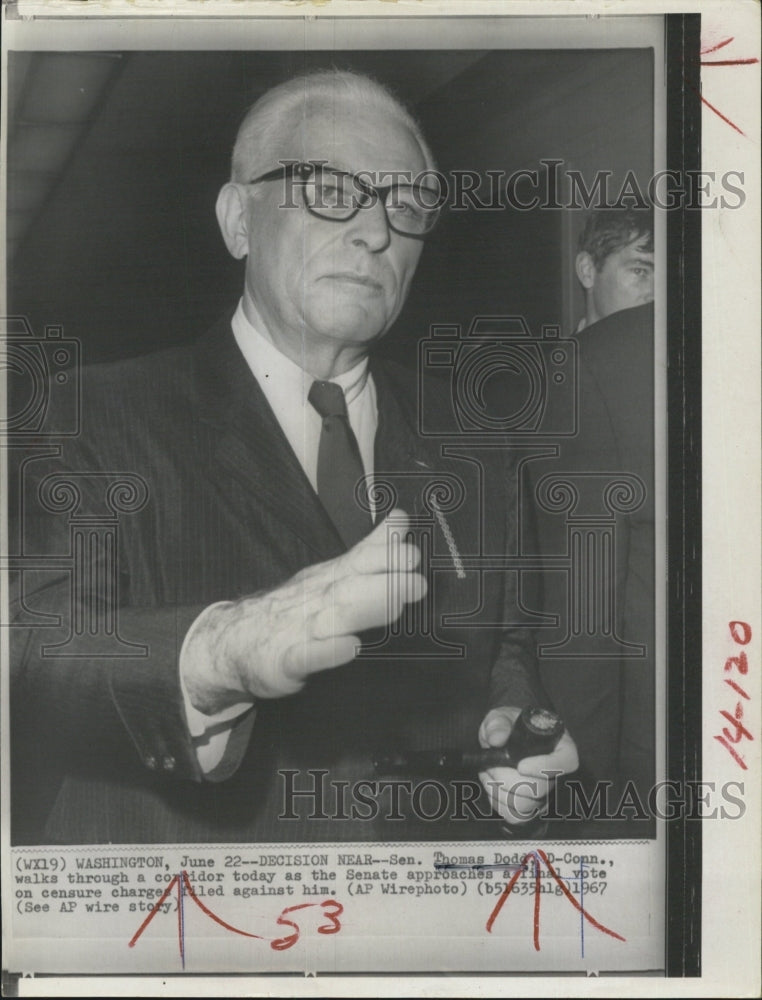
585	267
231	216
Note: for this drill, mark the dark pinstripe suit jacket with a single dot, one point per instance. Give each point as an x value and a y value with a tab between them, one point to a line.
101	748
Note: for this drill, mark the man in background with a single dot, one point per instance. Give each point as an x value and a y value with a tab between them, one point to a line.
615	262
609	699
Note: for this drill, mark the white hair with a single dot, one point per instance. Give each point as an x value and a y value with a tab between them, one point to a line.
270	121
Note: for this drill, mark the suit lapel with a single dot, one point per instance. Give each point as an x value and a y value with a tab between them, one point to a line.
401	456
253	450
251	446
413	465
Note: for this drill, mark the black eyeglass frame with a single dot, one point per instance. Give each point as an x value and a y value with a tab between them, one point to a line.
303	171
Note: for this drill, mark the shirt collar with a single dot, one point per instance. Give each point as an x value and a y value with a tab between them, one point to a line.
269	365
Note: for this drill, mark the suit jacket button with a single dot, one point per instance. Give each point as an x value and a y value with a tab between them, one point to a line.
168	763
150	762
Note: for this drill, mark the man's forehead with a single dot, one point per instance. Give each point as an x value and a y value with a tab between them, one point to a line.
356	139
641	246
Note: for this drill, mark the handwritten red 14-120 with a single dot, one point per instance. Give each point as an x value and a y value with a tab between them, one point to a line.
739	666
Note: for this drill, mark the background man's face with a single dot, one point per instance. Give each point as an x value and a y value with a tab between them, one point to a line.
320	282
625	279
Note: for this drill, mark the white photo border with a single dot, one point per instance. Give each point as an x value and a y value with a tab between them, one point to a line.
712	394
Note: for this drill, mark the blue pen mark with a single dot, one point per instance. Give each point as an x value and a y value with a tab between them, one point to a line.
331	911
540	858
440	866
582	907
181	918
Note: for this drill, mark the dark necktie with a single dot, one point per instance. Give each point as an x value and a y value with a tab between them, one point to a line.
340	467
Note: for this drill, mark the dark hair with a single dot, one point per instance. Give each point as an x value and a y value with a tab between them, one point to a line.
609	229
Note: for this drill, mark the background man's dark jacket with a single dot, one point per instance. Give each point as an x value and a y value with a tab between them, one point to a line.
608	703
101	748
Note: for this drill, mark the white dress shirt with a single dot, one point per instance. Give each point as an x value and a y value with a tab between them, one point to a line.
285	386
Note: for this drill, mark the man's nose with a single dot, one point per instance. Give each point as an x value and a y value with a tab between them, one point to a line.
370	227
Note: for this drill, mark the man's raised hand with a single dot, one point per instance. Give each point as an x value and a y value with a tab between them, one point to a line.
267	645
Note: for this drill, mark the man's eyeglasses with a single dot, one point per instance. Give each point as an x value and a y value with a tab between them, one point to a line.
337	195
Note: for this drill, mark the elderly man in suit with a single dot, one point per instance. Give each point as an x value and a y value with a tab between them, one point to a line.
264	580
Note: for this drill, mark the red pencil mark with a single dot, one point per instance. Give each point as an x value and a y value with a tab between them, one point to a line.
724	62
537	856
213	916
330	907
740	662
706	50
729	62
713	48
332	927
739	760
716	110
575	904
536	933
505	894
737	687
180	928
741	634
735	720
154	910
